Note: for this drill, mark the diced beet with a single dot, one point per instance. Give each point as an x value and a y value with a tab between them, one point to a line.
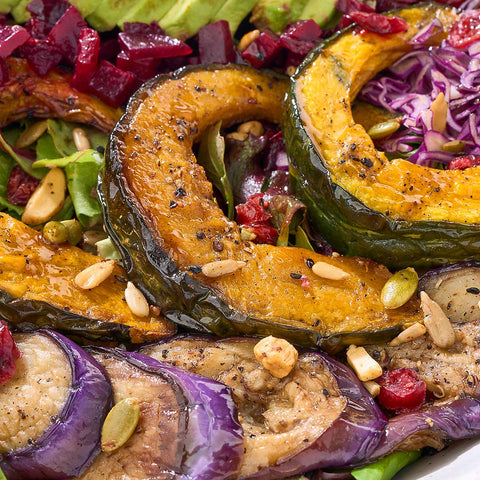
49	11
293	59
215	43
87	58
111	84
300	47
65	33
307	30
141	28
193	61
145	68
20	186
41	55
378	23
152	46
3	71
109	49
263	50
11	37
8	354
348	6
37	28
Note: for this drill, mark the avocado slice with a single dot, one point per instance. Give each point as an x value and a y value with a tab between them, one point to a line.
277	14
19	12
146	11
234	12
322	11
108	14
188	16
6	5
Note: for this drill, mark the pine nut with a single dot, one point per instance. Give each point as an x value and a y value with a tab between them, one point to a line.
94	275
247	234
373	388
253	127
136	301
47	199
411	333
437	323
31	134
247	39
276	355
13	263
330	272
221	268
80	139
439	108
290	70
364	365
241	137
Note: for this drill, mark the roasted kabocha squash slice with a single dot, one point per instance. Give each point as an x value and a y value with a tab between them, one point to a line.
396	212
160	210
37	289
50	96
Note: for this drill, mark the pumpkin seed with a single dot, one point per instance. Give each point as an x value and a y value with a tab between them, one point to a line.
74	229
384	129
94	275
31	134
55	232
455	146
120	424
247	39
399	288
47	199
136	301
80	139
253	127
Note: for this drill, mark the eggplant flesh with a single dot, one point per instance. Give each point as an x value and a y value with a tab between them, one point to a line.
456	288
163	445
36	394
281	418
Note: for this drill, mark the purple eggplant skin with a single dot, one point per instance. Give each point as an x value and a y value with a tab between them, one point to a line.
214	444
456	288
352	437
72	441
456	420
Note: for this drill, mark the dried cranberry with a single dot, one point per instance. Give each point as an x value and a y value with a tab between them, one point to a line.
377	23
215	43
465	30
8	354
20	186
87	58
348	6
401	390
466	161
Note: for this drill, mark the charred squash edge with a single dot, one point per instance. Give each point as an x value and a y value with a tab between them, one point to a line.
351	226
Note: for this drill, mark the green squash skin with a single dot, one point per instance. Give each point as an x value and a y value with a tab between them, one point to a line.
352	227
181	298
27	315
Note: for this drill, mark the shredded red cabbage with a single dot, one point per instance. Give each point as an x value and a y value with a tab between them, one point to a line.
410	86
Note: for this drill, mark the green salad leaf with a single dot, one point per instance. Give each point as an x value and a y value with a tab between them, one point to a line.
386	468
6	166
107	249
2	476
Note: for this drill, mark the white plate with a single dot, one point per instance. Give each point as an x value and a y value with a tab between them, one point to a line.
460	461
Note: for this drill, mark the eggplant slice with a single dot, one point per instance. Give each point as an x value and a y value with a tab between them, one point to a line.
456	288
187	427
52	409
319	416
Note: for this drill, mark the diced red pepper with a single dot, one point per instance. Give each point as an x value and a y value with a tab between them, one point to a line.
378	23
143	28
11	37
150	45
465	30
463	162
41	55
20	186
87	58
111	84
49	11
215	43
348	6
145	68
8	354
263	50
65	33
401	390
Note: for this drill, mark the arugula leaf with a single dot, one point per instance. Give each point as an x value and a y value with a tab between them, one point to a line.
387	467
67	211
302	240
6	165
211	157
